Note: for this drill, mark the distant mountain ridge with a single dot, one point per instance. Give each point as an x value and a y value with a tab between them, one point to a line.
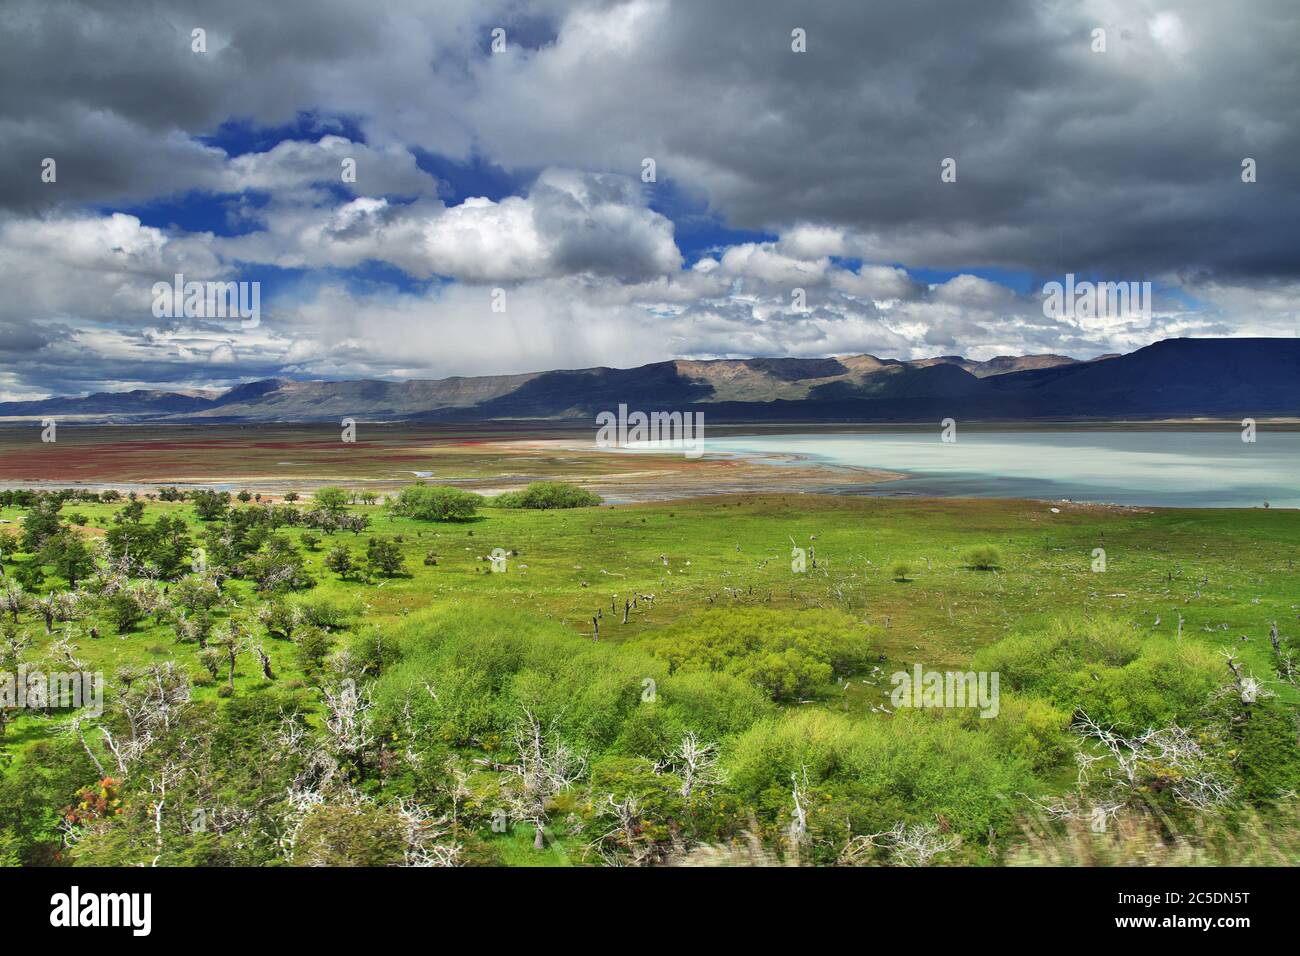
1174	378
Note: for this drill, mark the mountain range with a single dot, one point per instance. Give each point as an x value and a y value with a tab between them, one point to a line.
1175	378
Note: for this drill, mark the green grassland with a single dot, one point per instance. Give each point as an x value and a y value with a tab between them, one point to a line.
717	562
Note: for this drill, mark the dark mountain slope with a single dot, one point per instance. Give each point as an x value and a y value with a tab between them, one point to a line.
1176	378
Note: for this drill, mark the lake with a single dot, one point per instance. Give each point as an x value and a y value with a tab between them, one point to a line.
1158	467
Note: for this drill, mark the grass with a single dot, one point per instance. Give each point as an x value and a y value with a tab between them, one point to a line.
1225	573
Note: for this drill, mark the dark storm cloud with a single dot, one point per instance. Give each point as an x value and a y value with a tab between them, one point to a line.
1067	159
1124	163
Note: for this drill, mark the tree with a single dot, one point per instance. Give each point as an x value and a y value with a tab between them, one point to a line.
171	547
45	607
280	566
230	642
129	538
30	574
197	593
132	511
41	522
331	500
210	505
339	560
312	646
384	557
210	658
67	553
123	611
13	598
280	619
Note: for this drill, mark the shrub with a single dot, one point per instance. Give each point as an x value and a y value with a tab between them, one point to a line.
1026	728
867	775
983	559
715	706
312	646
786	653
361	834
1105	668
1268	760
329	613
547	495
435	503
901	570
487	663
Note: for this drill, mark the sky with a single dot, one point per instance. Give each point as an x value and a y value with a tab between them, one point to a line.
564	185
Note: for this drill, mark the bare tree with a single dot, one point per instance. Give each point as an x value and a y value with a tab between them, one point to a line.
799	813
15	642
696	762
150	706
621	844
1287	668
1171	754
264	660
1248	689
13	599
546	767
167	776
903	845
426	843
348	720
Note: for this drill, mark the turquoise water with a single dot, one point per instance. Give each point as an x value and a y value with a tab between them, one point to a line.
1194	469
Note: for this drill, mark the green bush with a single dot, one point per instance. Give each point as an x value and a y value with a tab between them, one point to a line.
435	503
1268	760
359	835
331	613
1104	667
1026	728
867	775
547	495
983	559
787	653
714	705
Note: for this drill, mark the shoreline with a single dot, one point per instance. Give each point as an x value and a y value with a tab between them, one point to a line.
272	462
